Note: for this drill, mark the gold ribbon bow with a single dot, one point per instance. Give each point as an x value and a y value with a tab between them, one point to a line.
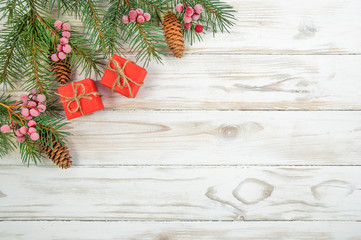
121	75
76	98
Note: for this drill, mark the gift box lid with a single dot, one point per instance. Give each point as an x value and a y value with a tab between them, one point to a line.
131	70
89	98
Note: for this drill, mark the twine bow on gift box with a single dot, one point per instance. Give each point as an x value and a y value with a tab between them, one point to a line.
76	98
122	79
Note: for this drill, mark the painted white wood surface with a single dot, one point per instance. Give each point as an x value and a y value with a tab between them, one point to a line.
246	82
115	138
45	230
286	27
185	161
181	193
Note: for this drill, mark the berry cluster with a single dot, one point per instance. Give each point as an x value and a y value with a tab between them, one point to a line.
137	15
32	105
191	14
63	48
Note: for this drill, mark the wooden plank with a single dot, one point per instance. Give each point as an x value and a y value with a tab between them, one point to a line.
290	27
246	82
214	138
43	230
285	27
198	193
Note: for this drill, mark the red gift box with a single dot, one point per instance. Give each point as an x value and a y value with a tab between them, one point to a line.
123	76
80	98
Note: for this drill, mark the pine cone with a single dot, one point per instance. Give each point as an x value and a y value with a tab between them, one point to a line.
173	33
59	154
61	70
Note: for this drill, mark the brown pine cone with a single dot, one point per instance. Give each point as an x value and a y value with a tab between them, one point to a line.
59	154
61	70
173	33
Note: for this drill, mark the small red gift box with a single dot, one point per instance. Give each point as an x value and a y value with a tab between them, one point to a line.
123	76
80	98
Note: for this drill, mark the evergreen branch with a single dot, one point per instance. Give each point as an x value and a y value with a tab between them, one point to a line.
147	40
47	125
218	15
12	51
39	83
29	152
112	22
90	16
128	4
84	57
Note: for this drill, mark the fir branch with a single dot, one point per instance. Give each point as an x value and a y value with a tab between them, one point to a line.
147	40
29	152
217	15
48	127
112	23
83	57
90	15
12	51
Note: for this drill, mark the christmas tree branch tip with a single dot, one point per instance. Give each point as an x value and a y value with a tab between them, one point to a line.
26	125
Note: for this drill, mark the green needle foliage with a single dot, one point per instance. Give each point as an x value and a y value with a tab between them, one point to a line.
28	36
146	39
26	42
48	124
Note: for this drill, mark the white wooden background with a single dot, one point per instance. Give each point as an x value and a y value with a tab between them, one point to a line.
253	135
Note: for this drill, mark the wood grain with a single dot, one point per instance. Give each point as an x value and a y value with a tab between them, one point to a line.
284	27
73	230
183	161
155	193
214	138
246	82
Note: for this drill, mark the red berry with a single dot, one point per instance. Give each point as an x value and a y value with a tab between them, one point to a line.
67	48
189	11
18	133
198	8
187	19
63	41
25	112
5	128
31	123
41	98
61	55
59	48
32	104
34	136
125	19
179	7
24	97
23	130
198	28
58	24
31	130
66	34
146	16
140	19
41	108
195	17
66	27
133	14
20	139
34	112
187	26
139	11
54	57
